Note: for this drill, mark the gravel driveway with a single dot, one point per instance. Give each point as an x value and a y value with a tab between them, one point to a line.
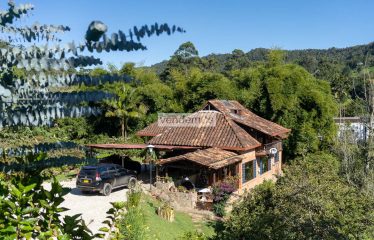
93	207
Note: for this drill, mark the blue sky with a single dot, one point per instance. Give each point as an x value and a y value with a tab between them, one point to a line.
217	26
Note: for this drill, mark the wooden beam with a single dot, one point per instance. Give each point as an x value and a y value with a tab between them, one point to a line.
182	167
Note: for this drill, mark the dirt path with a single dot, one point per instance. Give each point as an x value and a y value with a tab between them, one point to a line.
93	207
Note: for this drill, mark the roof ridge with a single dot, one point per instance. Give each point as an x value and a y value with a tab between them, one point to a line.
212	110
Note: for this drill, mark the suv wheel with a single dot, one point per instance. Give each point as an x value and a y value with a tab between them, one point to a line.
107	189
132	183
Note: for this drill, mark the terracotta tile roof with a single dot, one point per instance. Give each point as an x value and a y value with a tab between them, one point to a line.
212	157
240	114
225	134
151	130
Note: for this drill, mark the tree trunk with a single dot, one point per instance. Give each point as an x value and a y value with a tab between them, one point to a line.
370	140
123	129
369	150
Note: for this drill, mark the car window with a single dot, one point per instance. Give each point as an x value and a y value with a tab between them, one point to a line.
88	172
112	168
102	169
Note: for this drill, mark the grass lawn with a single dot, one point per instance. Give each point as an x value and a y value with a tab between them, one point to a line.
162	229
65	176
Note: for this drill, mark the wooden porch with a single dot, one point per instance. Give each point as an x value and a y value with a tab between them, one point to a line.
203	167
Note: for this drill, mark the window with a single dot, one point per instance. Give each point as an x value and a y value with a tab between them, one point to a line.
248	171
112	169
265	164
87	172
276	157
102	169
236	111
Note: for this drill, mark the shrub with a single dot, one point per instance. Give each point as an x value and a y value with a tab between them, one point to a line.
133	199
72	128
181	189
219	208
47	173
222	191
132	224
129	225
193	236
233	181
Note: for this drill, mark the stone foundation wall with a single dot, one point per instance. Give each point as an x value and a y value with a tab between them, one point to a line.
178	200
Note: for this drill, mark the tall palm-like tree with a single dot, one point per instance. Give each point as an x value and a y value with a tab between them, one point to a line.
126	106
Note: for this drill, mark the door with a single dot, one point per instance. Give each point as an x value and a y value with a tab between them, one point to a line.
123	176
113	173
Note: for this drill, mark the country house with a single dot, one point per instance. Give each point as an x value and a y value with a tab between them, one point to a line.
227	141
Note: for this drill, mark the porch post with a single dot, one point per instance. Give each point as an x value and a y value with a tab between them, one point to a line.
91	152
150	149
156	172
240	174
214	177
150	175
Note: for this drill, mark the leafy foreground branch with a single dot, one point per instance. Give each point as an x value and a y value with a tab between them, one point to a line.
29	211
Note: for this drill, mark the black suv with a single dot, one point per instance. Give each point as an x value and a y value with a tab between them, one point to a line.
105	177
